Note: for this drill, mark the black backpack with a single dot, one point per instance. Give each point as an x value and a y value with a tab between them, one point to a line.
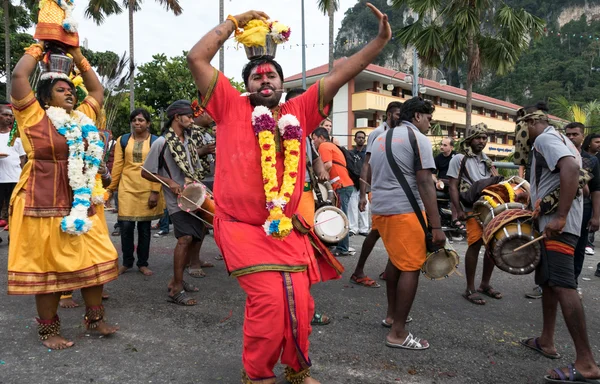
353	165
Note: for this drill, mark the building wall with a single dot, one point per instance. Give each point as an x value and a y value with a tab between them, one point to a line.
340	115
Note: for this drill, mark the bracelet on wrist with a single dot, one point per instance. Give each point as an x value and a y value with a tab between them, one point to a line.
105	176
237	29
83	65
36	51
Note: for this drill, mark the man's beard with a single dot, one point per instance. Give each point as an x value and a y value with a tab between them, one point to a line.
272	101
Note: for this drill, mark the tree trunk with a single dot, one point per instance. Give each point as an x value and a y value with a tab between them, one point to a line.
131	59
222	50
7	47
470	62
331	12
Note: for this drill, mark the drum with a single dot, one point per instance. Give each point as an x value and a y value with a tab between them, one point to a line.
440	264
507	231
327	196
512	190
486	213
331	224
195	197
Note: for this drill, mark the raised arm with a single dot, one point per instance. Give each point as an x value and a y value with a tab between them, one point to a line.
203	52
348	69
23	69
90	79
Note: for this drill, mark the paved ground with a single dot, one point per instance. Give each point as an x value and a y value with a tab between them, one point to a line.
163	343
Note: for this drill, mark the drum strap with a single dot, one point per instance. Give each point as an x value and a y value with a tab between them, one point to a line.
402	180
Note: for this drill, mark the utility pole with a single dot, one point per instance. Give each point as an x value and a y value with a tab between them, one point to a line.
222	50
303	49
415	87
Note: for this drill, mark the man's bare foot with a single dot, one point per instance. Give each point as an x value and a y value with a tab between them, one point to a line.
105	329
123	269
57	342
310	380
68	303
146	271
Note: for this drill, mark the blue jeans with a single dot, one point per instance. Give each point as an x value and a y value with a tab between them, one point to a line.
164	221
345	194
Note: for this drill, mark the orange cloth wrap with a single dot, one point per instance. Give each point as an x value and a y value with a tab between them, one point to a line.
404	240
474	230
306	208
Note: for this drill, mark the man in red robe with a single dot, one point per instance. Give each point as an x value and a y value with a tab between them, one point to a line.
276	274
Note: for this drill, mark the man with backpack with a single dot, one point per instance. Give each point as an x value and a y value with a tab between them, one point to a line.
334	158
359	220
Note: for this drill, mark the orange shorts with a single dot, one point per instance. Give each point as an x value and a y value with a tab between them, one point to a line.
474	230
404	240
306	208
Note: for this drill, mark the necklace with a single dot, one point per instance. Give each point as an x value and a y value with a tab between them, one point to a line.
82	168
277	225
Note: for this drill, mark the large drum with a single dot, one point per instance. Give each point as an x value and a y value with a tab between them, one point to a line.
485	212
440	264
512	190
509	230
331	224
195	199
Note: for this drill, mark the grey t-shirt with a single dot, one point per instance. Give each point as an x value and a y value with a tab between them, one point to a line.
552	146
170	169
388	196
475	166
374	134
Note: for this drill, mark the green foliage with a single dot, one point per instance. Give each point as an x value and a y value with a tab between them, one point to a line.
104	62
121	123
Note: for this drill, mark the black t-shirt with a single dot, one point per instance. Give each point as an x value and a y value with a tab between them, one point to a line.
442	163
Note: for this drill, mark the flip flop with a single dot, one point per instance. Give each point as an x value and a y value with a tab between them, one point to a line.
490	292
410	342
536	347
364	281
196	272
320	319
188	287
206	264
574	376
388	325
473	297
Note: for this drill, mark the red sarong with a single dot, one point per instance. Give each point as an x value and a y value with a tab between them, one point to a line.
279	309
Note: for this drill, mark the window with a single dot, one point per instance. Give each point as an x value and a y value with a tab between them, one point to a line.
461	106
446	103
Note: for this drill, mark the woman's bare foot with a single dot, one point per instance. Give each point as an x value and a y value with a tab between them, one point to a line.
146	271
104	328
68	303
123	269
57	342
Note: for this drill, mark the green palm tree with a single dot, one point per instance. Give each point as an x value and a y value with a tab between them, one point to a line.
329	7
587	114
97	10
481	33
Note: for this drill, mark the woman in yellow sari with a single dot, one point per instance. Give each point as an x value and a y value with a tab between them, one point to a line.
60	240
140	200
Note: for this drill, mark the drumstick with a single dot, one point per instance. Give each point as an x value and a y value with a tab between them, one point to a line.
363	181
531	242
185	197
324	221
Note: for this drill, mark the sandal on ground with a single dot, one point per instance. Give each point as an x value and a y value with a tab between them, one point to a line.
473	297
491	292
536	347
389	325
206	264
574	376
320	319
410	342
181	299
458	225
116	232
196	272
364	281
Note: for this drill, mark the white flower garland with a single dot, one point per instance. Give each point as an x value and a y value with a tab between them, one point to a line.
69	24
82	165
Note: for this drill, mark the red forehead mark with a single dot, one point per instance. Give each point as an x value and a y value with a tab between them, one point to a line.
264	68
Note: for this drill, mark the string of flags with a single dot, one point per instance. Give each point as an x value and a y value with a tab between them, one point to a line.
585	35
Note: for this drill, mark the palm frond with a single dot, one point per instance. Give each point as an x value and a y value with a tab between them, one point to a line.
324	5
430	43
497	53
561	107
407	35
172	5
97	10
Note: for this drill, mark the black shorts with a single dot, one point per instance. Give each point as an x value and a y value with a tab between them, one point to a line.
557	268
185	224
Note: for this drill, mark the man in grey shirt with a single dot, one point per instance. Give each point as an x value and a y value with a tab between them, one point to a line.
392	118
174	159
556	164
395	219
465	168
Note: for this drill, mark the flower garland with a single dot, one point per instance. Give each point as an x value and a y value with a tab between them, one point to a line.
82	166
277	225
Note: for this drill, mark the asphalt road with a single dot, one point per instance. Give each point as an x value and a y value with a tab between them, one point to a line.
160	342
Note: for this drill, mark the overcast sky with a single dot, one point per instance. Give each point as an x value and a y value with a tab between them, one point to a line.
157	31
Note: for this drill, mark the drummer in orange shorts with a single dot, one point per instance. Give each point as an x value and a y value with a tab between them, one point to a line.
462	174
395	219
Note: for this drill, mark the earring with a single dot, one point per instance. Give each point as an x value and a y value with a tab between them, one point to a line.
46	106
